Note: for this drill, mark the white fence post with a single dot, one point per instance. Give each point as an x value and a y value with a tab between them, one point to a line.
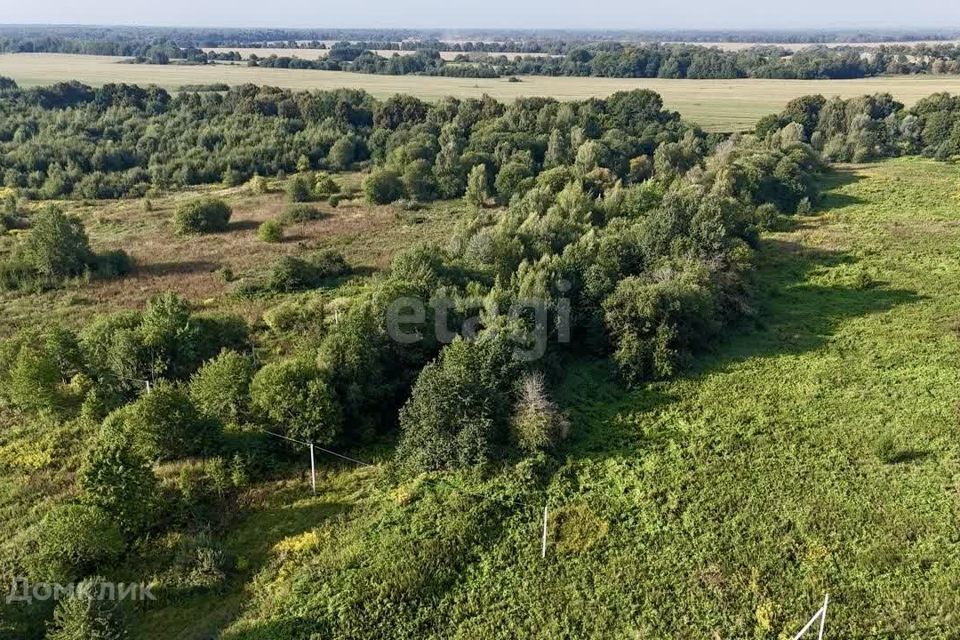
543	544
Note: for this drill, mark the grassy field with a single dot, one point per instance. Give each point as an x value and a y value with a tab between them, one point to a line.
814	451
720	105
193	265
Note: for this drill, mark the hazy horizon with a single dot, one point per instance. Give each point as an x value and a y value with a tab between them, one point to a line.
615	15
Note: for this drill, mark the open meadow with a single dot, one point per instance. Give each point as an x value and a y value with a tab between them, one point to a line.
717	105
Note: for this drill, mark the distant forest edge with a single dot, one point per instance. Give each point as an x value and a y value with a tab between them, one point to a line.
71	140
579	54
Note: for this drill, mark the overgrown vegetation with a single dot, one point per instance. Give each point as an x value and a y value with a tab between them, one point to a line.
602	247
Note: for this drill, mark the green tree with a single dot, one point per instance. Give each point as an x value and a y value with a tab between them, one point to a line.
477	191
57	246
220	389
114	478
204	215
294	396
382	187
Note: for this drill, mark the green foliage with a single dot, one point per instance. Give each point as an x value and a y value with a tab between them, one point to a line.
324	185
220	389
297	213
117	480
536	423
655	324
418	180
291	273
73	540
300	188
164	424
382	187
203	215
294	396
477	192
270	231
84	615
57	246
459	407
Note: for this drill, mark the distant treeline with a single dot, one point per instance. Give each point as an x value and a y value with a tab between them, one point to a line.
615	60
523	40
560	58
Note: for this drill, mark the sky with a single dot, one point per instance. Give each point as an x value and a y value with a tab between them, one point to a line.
582	14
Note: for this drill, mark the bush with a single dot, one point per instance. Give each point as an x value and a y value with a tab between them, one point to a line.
295	397
270	231
258	185
220	389
459	406
300	189
297	213
73	540
205	215
382	187
655	324
304	317
537	423
118	481
418	180
290	273
86	616
200	564
477	190
57	246
164	425
324	185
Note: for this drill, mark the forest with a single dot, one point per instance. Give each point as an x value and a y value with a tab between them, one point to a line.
634	55
600	231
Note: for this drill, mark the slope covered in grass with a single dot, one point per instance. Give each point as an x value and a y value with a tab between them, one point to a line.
815	450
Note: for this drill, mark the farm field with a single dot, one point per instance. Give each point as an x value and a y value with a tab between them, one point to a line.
717	105
815	451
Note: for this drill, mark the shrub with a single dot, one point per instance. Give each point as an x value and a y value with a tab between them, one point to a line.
295	397
804	208
418	180
204	215
382	187
73	540
258	185
57	246
335	200
118	481
84	615
164	425
34	379
290	273
342	153
220	389
200	564
459	406
654	324
297	213
270	231
299	316
536	423
477	190
300	189
324	185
